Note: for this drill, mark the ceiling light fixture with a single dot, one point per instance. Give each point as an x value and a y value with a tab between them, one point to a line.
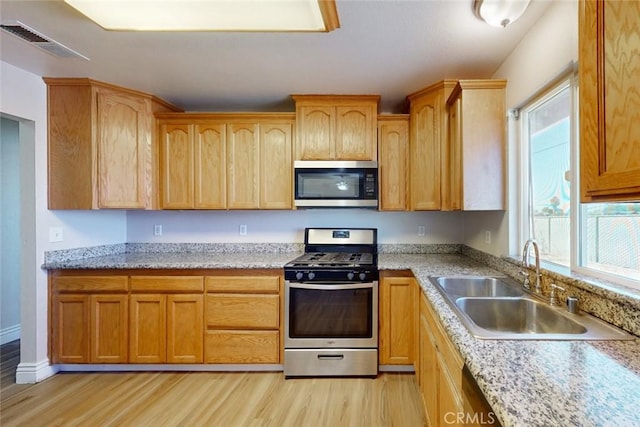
499	13
211	15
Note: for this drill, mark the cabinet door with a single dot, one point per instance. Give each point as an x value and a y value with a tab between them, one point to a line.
355	133
185	332
393	147
177	166
609	100
243	163
450	406
425	152
147	328
276	172
210	166
70	329
428	373
109	328
483	146
316	132
124	150
397	320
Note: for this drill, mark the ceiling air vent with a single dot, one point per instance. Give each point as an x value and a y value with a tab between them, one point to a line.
35	38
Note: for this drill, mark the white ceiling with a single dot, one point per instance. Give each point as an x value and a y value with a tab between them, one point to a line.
386	47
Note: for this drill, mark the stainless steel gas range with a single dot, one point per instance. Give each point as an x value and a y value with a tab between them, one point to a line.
331	305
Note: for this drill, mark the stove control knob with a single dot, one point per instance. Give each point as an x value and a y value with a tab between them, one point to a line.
362	276
299	275
311	275
350	275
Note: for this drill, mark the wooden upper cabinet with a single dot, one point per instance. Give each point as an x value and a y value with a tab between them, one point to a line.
226	161
393	161
243	163
276	165
477	145
210	150
177	166
100	145
609	72
336	127
428	147
316	132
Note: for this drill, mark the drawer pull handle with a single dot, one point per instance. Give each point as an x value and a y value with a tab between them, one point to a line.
330	356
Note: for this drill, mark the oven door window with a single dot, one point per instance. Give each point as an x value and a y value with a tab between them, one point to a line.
319	184
330	313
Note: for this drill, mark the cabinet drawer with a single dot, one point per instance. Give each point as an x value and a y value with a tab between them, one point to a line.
242	347
90	284
249	284
173	284
242	311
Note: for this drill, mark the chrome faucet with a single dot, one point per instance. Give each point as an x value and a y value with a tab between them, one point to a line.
525	263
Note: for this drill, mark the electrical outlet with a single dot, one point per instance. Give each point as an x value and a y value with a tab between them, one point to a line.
55	234
487	237
422	230
157	230
243	229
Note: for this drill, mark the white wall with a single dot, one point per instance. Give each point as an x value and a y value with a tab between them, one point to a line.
288	226
544	52
24	98
9	231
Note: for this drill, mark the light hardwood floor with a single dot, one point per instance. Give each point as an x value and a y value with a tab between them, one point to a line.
210	399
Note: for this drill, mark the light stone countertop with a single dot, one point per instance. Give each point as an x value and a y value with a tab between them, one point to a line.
527	383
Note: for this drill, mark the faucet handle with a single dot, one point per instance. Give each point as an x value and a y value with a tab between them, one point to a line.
526	284
553	300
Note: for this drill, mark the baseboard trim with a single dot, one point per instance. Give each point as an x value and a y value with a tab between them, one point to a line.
30	373
396	368
168	367
9	334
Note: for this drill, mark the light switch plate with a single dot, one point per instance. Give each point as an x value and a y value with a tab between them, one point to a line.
243	229
422	230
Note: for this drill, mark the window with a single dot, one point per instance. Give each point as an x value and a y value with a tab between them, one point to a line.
600	239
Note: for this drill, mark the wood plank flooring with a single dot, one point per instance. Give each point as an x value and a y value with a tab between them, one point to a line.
209	399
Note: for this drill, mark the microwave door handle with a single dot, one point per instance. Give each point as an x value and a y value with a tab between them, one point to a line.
330	286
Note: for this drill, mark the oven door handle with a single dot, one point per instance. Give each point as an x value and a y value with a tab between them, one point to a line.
331	286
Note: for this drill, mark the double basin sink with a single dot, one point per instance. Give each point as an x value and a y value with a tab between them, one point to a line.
499	308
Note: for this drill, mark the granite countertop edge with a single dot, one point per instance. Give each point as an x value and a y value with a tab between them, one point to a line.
521	380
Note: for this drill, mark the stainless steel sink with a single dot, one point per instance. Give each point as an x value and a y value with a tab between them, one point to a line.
517	315
478	286
497	308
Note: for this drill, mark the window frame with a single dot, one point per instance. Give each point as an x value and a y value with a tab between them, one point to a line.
578	226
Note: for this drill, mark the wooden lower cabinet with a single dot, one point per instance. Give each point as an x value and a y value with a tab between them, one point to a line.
240	347
109	332
148	326
182	317
242	317
397	319
70	329
89	319
450	395
185	330
166	327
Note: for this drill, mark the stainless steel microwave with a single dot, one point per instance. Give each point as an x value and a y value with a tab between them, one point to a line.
336	184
